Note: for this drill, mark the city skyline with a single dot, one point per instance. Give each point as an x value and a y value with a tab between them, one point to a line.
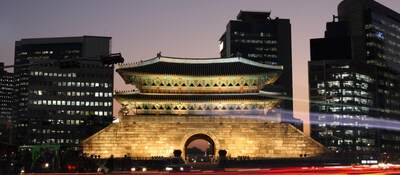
140	29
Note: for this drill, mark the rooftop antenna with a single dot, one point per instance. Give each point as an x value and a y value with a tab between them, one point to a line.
334	17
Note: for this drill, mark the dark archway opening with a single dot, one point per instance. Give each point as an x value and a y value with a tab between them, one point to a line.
199	148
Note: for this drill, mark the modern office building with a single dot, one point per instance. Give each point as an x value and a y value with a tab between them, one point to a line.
6	104
258	37
342	99
64	91
354	79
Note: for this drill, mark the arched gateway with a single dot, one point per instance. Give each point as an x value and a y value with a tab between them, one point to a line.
208	153
219	100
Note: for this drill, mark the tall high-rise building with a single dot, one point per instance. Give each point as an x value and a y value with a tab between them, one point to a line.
258	37
354	79
63	90
6	104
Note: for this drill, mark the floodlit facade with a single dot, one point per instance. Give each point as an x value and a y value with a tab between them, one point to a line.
64	91
199	87
221	100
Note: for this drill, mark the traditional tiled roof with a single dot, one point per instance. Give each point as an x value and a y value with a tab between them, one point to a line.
198	66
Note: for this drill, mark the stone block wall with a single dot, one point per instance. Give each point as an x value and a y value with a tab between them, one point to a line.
149	136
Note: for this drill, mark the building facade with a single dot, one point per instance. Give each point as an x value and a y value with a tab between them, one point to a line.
221	100
342	103
6	105
258	37
64	91
363	47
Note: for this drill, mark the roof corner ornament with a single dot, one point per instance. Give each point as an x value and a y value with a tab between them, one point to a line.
159	54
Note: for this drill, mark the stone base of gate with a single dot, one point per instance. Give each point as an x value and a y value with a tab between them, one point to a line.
241	137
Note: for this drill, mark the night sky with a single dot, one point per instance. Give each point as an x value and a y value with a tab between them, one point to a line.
178	28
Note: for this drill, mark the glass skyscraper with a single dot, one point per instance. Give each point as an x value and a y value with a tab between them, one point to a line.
368	34
258	37
341	95
6	104
63	89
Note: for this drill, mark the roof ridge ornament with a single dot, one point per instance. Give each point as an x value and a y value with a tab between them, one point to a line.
159	54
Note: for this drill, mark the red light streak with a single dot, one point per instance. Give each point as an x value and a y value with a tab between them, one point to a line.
312	170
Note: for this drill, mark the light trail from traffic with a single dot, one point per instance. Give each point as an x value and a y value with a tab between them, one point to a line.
379	169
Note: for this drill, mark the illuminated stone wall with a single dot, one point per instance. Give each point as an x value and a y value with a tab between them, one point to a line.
147	136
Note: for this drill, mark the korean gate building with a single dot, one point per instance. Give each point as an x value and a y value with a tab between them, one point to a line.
222	100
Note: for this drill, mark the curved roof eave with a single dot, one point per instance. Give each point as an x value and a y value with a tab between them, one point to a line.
199	61
193	97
